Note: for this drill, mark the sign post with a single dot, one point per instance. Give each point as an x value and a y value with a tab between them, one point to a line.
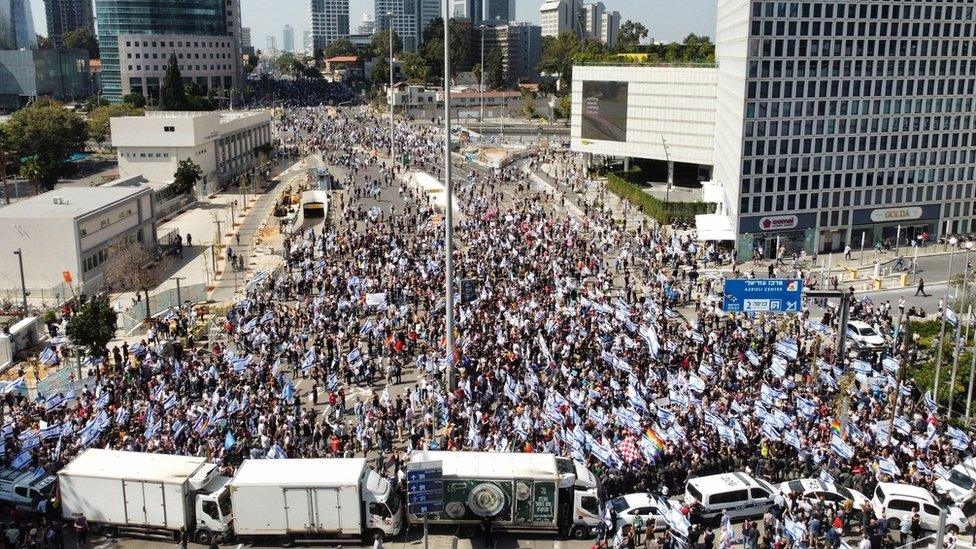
425	490
762	295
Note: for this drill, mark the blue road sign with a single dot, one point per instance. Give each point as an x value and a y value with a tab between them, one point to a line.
424	474
762	295
424	486
425	497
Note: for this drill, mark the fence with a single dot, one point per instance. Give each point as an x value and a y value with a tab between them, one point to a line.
660	210
132	318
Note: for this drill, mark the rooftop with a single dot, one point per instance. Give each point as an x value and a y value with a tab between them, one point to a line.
343	59
74	202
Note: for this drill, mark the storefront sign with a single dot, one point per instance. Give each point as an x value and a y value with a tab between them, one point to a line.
778	222
896	214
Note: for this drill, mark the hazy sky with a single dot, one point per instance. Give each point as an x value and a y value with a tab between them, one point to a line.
666	19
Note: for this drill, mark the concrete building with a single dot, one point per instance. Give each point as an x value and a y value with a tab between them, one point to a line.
307	43
17	26
288	38
223	144
64	16
207	60
71	231
246	37
329	21
412	96
593	19
271	43
830	121
61	74
559	16
468	9
521	47
609	28
367	25
205	21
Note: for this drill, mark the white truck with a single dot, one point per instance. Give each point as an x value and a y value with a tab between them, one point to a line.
313	499
516	492
147	494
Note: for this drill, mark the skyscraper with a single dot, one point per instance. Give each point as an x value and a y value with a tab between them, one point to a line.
329	20
367	25
64	16
245	37
498	10
468	9
150	31
272	43
404	16
17	26
288	38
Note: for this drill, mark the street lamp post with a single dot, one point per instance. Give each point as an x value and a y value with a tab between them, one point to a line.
956	351
389	16
23	285
945	306
481	125
449	217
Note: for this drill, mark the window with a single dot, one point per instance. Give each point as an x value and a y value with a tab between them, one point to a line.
901	505
169	128
210	508
733	496
759	493
589	505
379	510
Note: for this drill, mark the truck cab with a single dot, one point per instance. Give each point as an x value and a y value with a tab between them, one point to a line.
382	506
214	513
586	513
25	490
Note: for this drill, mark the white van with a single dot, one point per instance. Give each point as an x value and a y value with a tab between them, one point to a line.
739	494
960	485
899	501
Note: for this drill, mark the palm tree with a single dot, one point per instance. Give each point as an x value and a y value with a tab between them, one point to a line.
31	171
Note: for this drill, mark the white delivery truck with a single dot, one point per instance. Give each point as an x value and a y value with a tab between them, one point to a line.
149	494
313	499
516	491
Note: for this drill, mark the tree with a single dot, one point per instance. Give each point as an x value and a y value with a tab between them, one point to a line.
172	96
134	99
476	70
495	69
630	35
188	173
528	102
47	133
31	171
380	73
99	121
415	67
93	325
558	54
341	46
379	46
133	268
43	42
432	46
82	39
5	145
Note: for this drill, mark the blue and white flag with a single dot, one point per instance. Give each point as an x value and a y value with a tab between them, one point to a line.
276	452
49	356
793	529
957	435
50	431
752	357
862	367
333	381
288	393
951	317
54	402
806	407
930	402
309	360
354	355
889	467
696	383
841	448
22	460
826	477
790	437
170	401
102	400
778	366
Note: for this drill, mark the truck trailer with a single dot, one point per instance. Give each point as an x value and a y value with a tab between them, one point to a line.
516	491
148	494
313	499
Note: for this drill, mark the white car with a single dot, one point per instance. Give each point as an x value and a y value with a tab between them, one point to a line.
641	504
900	501
813	489
864	336
960	485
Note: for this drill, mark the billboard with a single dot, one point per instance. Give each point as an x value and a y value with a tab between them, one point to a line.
604	111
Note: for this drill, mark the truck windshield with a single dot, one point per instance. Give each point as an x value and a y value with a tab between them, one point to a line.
225	505
393	501
565	466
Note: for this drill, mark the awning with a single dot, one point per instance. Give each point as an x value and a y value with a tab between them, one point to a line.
714	227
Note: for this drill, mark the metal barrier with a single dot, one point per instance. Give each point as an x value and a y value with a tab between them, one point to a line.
130	319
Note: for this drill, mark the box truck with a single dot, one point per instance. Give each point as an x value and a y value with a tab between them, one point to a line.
148	494
313	499
516	491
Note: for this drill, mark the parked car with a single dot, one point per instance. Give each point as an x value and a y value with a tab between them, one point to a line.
648	507
813	489
864	336
740	495
900	501
960	485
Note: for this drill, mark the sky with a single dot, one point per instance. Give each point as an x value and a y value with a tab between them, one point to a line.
666	19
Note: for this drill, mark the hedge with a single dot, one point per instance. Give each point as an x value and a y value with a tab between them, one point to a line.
662	211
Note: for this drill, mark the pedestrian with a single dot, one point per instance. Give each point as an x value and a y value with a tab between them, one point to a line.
378	541
81	529
487	529
921	288
847	252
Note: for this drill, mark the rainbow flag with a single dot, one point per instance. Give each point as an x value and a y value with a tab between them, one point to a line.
657	443
836	427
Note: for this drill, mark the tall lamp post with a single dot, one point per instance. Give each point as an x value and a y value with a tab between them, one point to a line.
23	285
481	126
389	16
956	351
449	218
945	306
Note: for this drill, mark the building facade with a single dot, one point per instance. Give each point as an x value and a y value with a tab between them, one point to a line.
205	19
72	230
468	9
498	11
206	60
64	16
246	37
521	47
288	38
61	74
329	20
404	20
609	28
17	26
224	145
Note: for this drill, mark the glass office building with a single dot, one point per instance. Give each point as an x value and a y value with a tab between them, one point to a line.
837	119
123	17
17	26
58	73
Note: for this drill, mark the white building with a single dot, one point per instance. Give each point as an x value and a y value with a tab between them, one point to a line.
245	37
559	16
329	21
288	38
67	234
366	25
609	28
224	144
412	96
213	62
593	20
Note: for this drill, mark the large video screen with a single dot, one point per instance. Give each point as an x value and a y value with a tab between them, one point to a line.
604	111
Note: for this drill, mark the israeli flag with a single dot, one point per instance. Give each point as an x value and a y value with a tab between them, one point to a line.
309	360
153	429
806	407
249	326
902	426
957	435
50	432
169	402
53	402
930	402
889	467
841	448
922	467
333	381
276	452
769	431
705	370
22	460
794	530
951	317
177	428
696	383
288	393
366	327
354	355
778	366
726	434
790	437
102	400
861	366
664	416
890	364
825	477
752	357
49	356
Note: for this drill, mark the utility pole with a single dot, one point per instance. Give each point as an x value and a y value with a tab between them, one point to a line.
481	126
179	296
23	285
389	15
901	373
956	350
449	194
945	307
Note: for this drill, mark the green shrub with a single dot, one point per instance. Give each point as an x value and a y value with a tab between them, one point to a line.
624	185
